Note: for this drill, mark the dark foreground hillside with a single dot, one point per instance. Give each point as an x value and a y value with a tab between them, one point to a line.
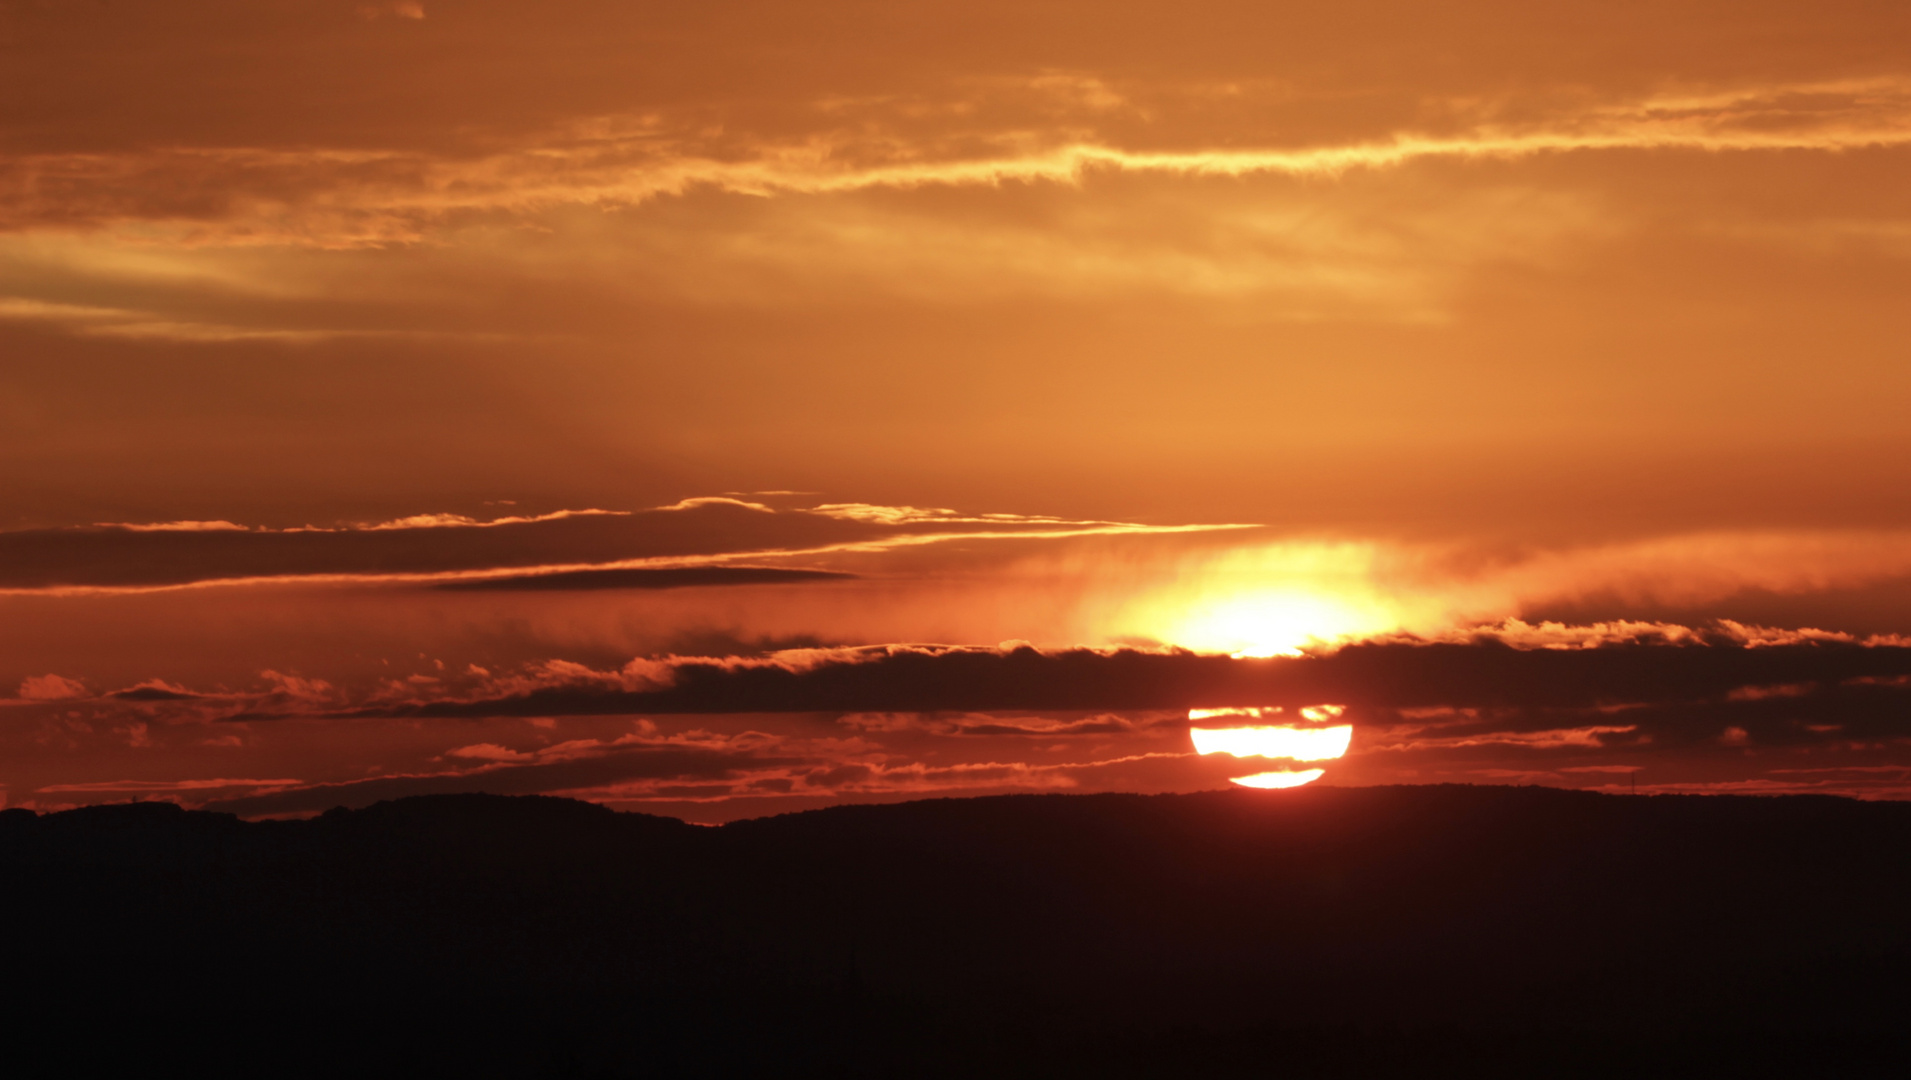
1323	932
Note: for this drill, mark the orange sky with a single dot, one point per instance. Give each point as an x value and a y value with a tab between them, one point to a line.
1580	313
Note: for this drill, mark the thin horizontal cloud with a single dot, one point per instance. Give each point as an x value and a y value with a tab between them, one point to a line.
1594	735
345	197
220	525
582	548
920	777
665	578
908	515
614	765
659	773
126	323
143	787
1028	727
461	521
1769	786
413	521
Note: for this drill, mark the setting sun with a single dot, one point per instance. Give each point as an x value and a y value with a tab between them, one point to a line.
1271	780
1299	744
1290	742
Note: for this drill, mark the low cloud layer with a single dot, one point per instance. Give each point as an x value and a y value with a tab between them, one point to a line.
1484	674
1605	708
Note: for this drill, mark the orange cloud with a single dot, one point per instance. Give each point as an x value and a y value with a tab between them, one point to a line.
1589	736
52	687
361	196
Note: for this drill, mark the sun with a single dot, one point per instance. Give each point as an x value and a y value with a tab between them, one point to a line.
1315	739
1280	779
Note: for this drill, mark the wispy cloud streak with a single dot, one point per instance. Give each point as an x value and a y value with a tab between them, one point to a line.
514	552
347	197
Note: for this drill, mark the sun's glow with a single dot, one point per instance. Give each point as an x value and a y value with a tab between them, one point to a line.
1298	744
1276	599
1279	779
1271	622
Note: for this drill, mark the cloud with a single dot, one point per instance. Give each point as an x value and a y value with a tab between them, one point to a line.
1777	786
836	779
345	196
145	787
52	687
1590	736
177	526
461	521
488	752
296	689
909	515
125	323
686	577
722	500
672	546
611	766
724	734
1266	597
1486	673
154	690
1759	693
978	725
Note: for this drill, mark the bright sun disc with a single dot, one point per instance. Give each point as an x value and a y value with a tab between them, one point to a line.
1279	779
1286	742
1300	744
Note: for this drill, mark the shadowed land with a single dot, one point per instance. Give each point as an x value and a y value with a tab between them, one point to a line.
1319	932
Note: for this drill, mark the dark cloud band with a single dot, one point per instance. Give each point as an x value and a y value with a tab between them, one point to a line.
1393	675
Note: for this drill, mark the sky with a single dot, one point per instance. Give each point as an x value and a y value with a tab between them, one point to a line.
733	408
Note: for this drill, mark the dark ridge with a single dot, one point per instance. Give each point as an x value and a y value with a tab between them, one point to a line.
668	578
1321	932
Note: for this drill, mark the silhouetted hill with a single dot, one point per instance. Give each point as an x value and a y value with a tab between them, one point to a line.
1322	932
